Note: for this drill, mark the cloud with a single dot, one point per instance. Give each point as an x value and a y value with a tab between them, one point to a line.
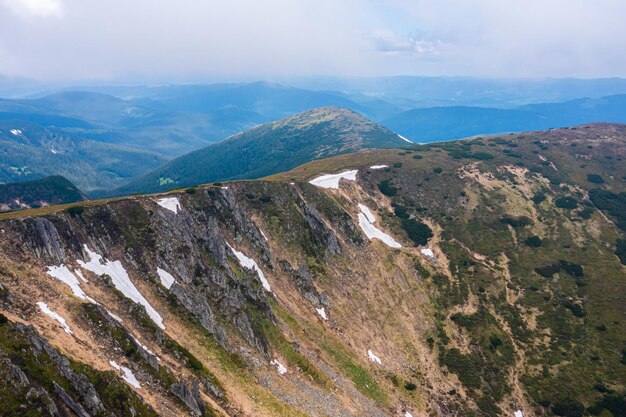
35	8
192	40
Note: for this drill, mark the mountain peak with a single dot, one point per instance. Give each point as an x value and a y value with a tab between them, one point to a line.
271	148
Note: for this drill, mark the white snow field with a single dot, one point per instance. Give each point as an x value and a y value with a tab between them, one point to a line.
63	274
372	357
427	252
332	180
322	313
170	203
251	264
379	166
121	281
127	374
166	278
279	367
366	222
46	310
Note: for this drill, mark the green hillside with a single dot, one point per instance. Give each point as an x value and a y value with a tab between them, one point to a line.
37	193
270	148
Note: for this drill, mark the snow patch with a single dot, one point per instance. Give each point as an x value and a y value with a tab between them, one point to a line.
407	414
372	357
45	310
54	151
144	347
366	221
171	203
63	274
332	180
127	374
80	275
519	413
263	234
404	139
279	367
251	264
427	252
166	278
379	166
16	132
115	317
322	313
121	281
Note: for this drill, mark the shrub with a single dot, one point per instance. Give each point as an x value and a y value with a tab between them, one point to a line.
573	269
418	157
463	366
568	203
437	170
265	199
586	213
483	156
191	190
620	250
401	211
548	270
387	188
575	308
515	221
75	210
397	165
568	408
539	198
409	386
533	241
417	231
595	178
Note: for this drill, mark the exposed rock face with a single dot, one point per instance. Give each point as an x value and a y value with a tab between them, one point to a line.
191	397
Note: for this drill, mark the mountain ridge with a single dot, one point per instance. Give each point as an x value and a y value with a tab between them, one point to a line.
270	148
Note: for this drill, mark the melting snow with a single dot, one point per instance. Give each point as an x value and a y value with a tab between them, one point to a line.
322	313
519	413
332	180
170	203
366	221
44	308
279	367
427	252
166	278
144	347
404	139
379	166
121	281
373	357
127	374
16	132
63	274
251	264
80	275
115	317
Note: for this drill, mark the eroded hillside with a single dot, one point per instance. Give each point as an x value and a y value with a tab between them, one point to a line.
468	278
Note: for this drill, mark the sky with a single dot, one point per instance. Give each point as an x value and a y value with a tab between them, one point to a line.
208	40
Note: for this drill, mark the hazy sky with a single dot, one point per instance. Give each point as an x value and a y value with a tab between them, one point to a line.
191	40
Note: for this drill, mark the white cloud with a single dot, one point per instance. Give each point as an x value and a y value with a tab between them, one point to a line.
36	8
191	40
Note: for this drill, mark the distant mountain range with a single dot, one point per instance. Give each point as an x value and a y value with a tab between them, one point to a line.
453	122
269	149
105	138
39	193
